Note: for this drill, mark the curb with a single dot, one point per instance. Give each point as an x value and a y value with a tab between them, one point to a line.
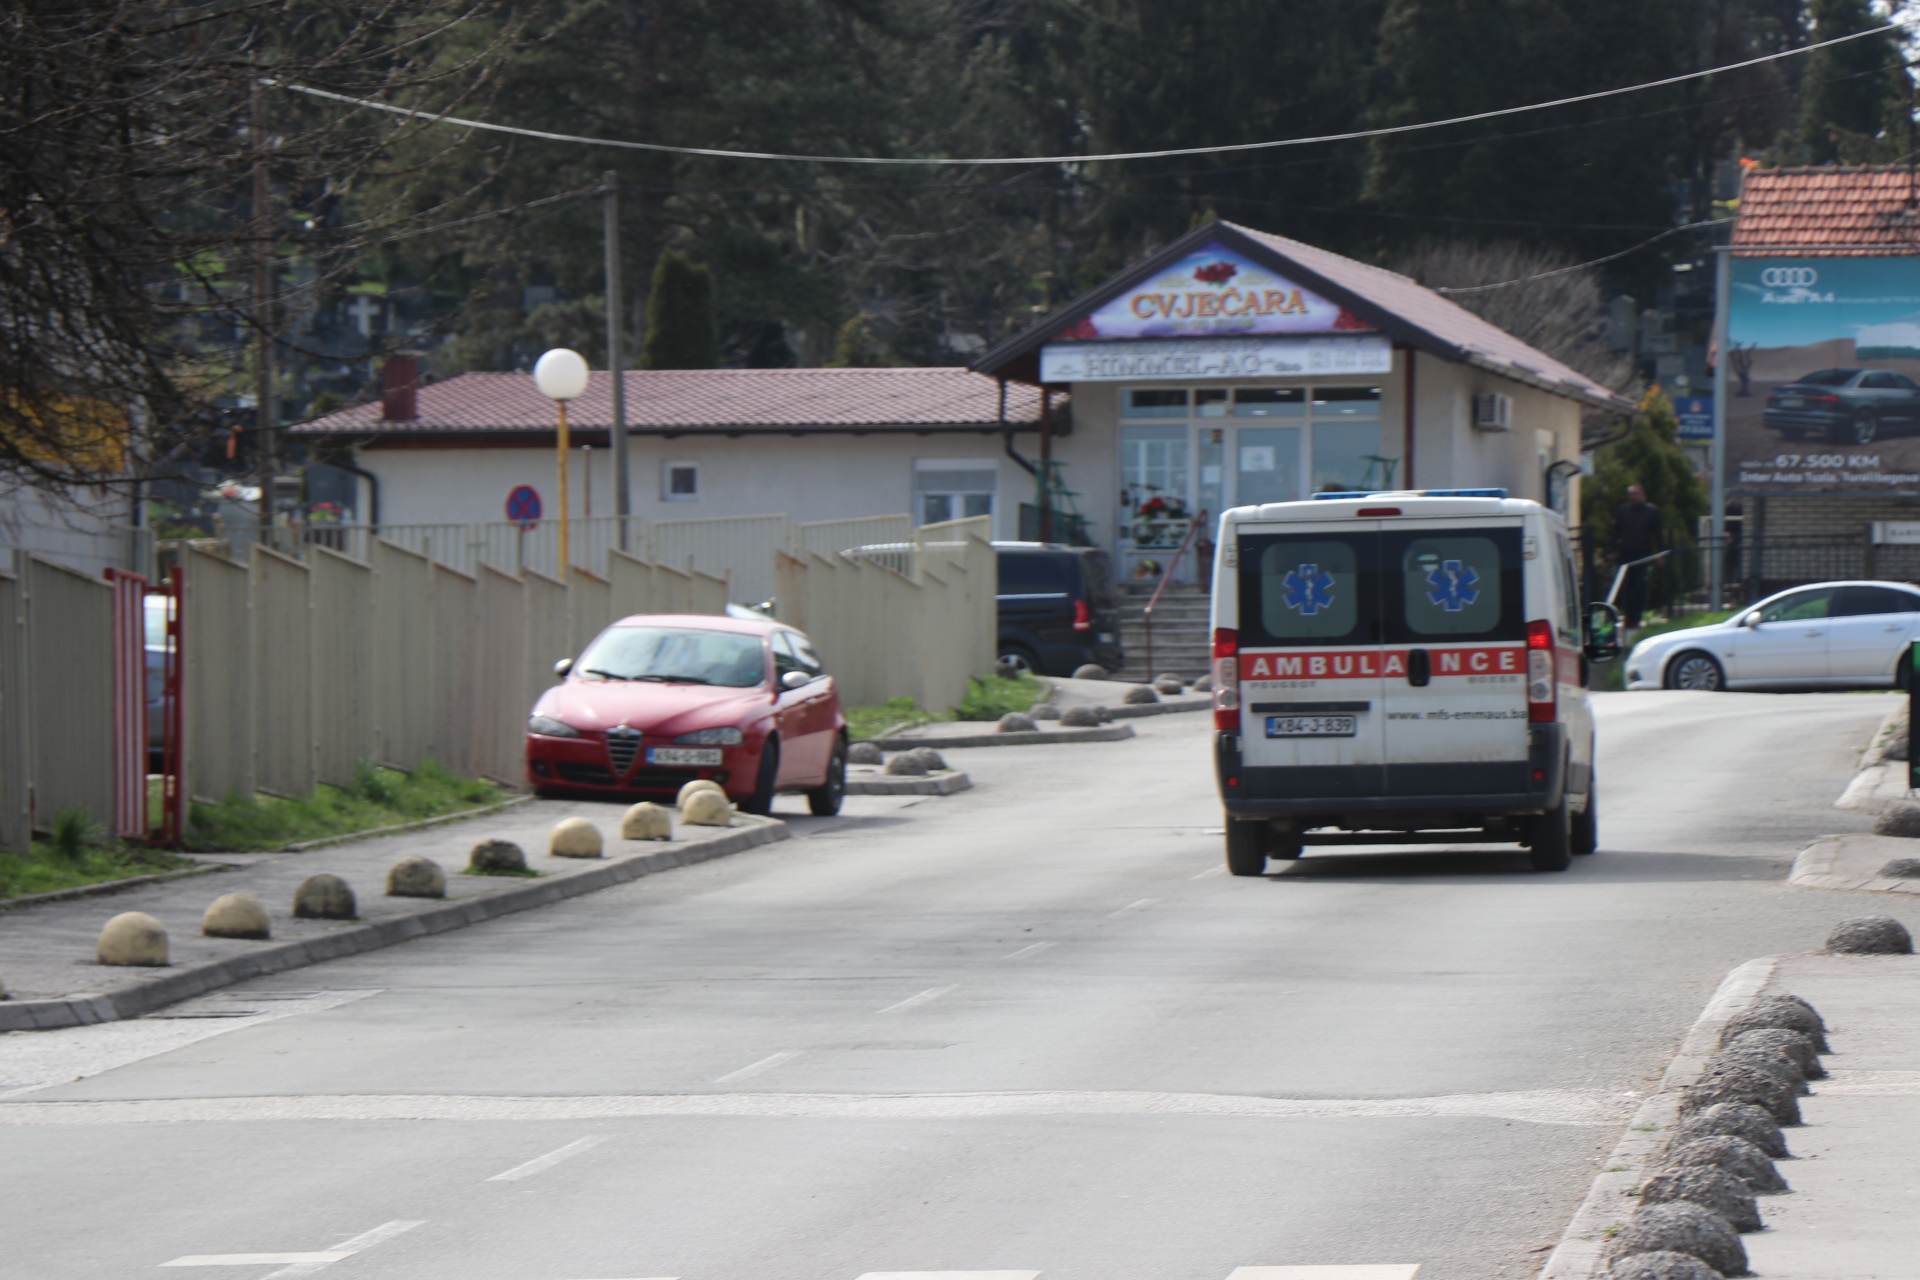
398	828
83	1010
1581	1253
947	784
106	887
1814	869
1879	783
1125	712
1101	733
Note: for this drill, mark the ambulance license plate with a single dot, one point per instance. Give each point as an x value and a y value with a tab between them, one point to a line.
1312	726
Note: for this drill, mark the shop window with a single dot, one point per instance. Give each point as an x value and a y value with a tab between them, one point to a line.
952	490
1346	402
1269	402
1154	404
1346	456
679	481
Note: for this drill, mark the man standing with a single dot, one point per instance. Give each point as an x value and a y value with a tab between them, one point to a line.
1636	535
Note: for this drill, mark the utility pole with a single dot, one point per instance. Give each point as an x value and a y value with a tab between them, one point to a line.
262	310
616	366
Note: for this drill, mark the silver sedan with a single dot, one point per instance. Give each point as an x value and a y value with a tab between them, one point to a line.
1851	634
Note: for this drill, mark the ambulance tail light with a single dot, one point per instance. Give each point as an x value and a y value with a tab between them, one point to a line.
1226	679
1542	688
1082	616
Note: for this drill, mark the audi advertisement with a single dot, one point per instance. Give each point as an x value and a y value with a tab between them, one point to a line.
1823	375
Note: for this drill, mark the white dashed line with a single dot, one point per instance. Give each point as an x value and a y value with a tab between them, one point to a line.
925	997
252	1259
1131	906
306	1263
1395	1271
1209	873
951	1275
1031	949
540	1164
767	1063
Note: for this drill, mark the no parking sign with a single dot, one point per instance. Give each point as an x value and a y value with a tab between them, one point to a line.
523	506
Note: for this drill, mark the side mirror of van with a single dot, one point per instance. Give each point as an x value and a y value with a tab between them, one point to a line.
1603	632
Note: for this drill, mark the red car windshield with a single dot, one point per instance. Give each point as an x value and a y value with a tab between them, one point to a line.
675	656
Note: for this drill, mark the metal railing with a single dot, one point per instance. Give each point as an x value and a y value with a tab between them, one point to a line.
1173	565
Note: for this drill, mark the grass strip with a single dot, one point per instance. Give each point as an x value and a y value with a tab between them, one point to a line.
378	797
988	698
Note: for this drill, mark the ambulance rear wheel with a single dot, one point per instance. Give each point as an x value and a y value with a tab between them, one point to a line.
1247	844
1552	839
1586	826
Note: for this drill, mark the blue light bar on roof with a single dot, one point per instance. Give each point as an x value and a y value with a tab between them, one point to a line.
1402	493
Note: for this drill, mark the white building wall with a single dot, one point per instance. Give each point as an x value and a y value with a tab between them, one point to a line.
84	529
1450	453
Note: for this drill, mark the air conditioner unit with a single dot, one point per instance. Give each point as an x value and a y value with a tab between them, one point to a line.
1492	412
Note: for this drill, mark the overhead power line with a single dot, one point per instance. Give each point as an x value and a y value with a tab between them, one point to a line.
1581	266
1165	153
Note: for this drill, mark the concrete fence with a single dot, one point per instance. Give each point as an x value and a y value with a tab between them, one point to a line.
14	742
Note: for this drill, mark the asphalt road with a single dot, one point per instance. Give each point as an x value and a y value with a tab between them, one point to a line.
1026	1031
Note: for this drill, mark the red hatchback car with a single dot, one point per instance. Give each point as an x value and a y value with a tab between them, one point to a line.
658	700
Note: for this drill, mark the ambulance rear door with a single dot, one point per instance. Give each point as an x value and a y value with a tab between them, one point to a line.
1312	667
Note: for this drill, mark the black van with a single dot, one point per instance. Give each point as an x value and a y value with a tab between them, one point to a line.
1058	608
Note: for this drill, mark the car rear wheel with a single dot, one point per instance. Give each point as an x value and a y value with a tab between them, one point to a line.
1586	825
1552	842
761	801
1247	848
1017	659
1696	670
824	800
1864	427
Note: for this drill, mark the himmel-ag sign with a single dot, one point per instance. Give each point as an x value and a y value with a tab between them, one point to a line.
1823	375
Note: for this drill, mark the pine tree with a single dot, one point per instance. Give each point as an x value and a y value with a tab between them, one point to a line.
679	315
1843	97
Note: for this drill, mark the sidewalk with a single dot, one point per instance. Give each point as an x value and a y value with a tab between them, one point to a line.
47	950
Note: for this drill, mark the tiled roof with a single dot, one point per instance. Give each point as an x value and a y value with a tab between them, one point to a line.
1849	211
1447	323
708	400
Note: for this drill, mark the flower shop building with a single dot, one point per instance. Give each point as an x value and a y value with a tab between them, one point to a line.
1236	367
1233	367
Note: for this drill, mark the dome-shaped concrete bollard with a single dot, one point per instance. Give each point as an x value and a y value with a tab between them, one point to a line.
907	765
1016	722
1902	869
1203	685
1105	714
236	915
707	809
1735	1120
416	877
1169	688
927	756
1790	1012
1772	1059
865	753
133	938
645	821
698	784
1870	936
1725	1081
1045	711
1139	696
1795	1044
1080	718
496	855
1682	1228
1661	1265
1711	1189
1170	677
325	897
574	838
1089	671
1731	1155
1901	820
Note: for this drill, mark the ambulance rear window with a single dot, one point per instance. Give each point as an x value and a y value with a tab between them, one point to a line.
1312	588
1458	584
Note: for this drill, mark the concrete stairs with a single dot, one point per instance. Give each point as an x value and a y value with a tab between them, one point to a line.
1182	642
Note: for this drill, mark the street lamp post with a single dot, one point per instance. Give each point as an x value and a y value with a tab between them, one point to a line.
561	376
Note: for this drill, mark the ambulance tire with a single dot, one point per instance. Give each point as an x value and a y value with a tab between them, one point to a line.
1552	840
1247	844
1586	826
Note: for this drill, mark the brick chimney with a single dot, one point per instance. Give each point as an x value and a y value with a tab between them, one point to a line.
399	387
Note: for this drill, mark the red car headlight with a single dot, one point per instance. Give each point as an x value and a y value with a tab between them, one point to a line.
728	736
548	727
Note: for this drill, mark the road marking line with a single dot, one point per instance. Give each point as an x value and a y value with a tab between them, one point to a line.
767	1063
253	1259
925	997
540	1164
352	1245
1031	949
1394	1271
951	1275
1131	906
1209	873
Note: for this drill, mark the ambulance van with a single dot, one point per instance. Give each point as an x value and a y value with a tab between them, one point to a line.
1403	668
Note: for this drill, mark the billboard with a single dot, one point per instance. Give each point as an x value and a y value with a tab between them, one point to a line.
1823	375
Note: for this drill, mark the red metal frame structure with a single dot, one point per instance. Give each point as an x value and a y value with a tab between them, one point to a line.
129	704
1146	620
173	737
